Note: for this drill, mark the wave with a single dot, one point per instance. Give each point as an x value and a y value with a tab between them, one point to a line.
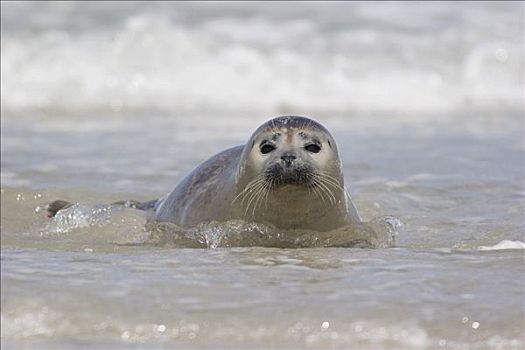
269	57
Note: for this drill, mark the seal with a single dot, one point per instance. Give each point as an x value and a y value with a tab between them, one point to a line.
288	175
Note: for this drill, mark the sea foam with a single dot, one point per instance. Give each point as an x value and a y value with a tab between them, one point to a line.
505	244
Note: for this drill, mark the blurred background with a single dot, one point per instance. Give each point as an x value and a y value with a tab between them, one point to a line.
262	58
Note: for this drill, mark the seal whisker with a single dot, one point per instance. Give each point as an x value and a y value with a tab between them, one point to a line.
264	195
316	192
259	195
327	176
332	184
317	189
247	192
327	190
331	180
310	185
252	196
244	191
269	186
248	189
325	183
336	184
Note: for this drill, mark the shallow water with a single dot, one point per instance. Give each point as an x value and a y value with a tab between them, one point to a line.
245	297
446	158
111	285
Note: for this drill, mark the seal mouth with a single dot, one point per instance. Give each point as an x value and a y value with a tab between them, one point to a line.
278	176
318	184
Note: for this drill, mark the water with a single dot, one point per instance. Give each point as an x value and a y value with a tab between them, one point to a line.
424	100
236	297
265	56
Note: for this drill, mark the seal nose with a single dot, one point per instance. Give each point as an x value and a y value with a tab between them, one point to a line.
288	159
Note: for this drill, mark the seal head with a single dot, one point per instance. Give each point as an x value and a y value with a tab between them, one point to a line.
290	169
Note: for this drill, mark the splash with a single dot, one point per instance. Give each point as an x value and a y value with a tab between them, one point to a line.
79	216
378	233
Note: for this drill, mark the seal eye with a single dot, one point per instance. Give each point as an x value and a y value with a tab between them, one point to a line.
267	148
313	148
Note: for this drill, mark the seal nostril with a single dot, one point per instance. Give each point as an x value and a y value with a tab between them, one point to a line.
288	159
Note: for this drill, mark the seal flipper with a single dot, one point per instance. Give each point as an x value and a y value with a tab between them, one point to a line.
54	207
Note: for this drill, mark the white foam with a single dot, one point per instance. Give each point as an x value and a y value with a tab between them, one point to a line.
503	245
